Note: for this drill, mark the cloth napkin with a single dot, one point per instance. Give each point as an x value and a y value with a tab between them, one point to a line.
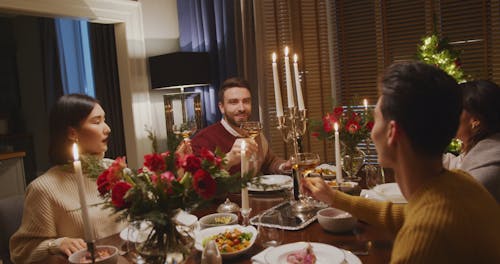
374	195
260	257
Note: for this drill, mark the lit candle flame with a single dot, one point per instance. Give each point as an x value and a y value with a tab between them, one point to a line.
336	126
274	57
75	152
365	103
295	58
286	51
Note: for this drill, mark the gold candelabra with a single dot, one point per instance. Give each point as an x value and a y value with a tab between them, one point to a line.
293	127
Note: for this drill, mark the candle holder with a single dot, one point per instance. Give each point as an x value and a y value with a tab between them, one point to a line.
293	127
91	250
245	213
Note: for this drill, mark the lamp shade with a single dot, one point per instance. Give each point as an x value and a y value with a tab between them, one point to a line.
179	69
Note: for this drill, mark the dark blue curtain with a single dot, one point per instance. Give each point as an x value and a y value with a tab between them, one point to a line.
208	25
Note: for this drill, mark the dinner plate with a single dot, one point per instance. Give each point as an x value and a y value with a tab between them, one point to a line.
391	192
280	181
325	254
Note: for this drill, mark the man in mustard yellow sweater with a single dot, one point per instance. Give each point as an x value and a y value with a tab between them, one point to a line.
450	217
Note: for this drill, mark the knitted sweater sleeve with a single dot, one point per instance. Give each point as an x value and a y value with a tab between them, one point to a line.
381	214
31	241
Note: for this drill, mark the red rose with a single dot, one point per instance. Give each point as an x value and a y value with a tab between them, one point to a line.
337	112
352	126
154	162
328	122
191	163
203	184
117	194
116	170
369	125
207	154
103	184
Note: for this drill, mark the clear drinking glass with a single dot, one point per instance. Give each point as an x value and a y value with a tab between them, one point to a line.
133	238
252	128
305	163
185	129
374	175
270	232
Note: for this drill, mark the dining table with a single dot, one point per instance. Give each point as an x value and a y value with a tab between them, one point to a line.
368	243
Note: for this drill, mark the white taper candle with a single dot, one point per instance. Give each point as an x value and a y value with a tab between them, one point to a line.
277	89
300	98
77	165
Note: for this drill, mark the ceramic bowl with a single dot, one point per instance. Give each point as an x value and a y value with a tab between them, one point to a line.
336	220
111	258
218	219
206	234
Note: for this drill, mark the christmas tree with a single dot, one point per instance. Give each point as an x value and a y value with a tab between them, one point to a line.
438	52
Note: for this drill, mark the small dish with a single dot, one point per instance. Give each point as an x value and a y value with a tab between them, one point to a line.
218	219
207	233
347	186
336	220
104	255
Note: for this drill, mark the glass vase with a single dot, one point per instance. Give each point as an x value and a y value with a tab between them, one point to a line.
353	159
162	244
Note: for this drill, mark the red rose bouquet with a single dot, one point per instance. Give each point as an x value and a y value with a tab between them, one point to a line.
165	184
354	126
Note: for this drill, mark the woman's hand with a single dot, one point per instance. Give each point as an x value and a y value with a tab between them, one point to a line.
318	189
71	245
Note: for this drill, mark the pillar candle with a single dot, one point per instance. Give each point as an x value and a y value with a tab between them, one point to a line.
277	89
244	171
77	165
300	98
338	163
365	103
289	89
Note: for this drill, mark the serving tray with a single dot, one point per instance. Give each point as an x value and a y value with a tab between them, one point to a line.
291	220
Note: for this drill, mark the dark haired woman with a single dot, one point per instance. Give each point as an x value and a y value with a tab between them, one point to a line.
479	131
52	221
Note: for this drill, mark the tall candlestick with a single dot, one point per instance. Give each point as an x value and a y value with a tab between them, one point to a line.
244	171
300	98
289	89
338	165
77	165
277	89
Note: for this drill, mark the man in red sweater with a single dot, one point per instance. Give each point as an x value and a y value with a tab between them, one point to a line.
235	104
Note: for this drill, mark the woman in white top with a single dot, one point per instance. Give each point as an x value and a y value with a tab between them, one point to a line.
479	131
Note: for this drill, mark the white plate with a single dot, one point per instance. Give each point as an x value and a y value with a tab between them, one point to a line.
208	232
391	192
325	254
281	182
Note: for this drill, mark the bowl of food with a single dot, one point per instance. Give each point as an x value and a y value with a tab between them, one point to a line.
336	220
218	219
231	240
103	255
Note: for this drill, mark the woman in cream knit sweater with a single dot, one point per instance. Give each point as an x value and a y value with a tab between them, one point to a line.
52	221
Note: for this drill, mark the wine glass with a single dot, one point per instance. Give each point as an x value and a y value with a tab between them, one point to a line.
252	128
185	129
304	164
374	175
